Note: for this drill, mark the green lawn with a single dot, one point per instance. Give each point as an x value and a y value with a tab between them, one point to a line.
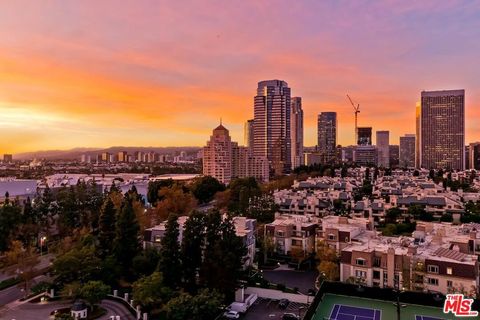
389	310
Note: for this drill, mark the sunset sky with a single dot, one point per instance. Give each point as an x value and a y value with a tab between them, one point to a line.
162	73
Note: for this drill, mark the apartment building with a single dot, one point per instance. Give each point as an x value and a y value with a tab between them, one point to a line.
293	232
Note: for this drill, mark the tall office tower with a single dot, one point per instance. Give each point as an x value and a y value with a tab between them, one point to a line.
364	135
122	156
394	150
474	155
138	156
271	127
248	135
418	112
443	129
327	135
407	151
383	149
296	131
217	155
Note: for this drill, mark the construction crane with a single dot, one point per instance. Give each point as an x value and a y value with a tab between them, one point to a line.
357	111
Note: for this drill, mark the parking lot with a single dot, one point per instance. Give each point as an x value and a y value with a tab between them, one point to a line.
268	309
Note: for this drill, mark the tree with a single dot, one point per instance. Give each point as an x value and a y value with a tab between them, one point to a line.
10	219
447	217
328	270
223	258
25	260
203	306
344	172
175	200
94	292
241	191
192	245
170	263
392	215
79	264
204	188
106	234
126	243
151	291
68	209
154	187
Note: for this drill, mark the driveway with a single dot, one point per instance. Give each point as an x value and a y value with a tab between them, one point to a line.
268	309
303	280
115	309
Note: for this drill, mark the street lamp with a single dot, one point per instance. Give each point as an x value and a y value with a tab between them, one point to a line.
42	242
398	291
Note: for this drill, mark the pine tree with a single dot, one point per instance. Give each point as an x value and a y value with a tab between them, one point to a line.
192	246
106	234
126	243
170	263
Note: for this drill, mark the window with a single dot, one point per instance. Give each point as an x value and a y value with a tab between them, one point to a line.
280	233
376	274
331	236
360	274
432	281
296	242
360	262
377	261
432	269
449	284
449	271
157	238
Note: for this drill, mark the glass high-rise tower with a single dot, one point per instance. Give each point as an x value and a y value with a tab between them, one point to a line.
271	128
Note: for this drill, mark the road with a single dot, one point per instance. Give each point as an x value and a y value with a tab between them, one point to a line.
115	309
16	292
44	262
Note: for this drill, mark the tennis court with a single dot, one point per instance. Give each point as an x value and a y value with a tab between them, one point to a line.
339	307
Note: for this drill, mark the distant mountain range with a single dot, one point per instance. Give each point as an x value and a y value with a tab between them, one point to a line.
76	153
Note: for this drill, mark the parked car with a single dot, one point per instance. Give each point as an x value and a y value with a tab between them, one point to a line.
290	316
231	314
283	303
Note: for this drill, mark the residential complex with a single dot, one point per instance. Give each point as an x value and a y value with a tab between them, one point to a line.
224	160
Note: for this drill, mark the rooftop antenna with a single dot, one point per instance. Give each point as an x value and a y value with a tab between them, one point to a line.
357	111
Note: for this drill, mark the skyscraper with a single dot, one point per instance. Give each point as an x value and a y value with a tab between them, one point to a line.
407	151
383	149
364	135
474	155
248	135
442	128
418	112
327	135
272	124
296	131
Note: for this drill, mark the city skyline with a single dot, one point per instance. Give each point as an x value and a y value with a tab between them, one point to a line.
161	74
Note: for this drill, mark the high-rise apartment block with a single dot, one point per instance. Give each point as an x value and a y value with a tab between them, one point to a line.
327	135
407	151
442	129
296	131
272	112
383	149
418	112
224	160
